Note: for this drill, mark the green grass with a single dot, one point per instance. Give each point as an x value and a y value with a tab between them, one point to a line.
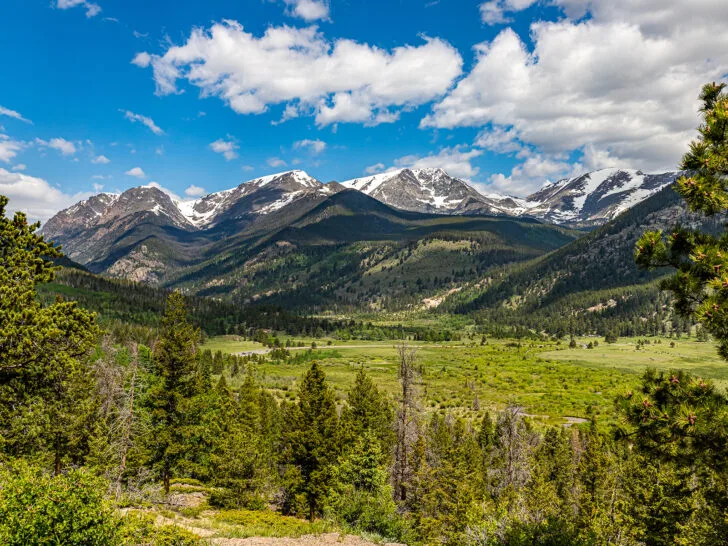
552	382
230	344
700	359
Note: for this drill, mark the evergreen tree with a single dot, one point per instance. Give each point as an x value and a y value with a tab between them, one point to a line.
311	443
700	285
45	381
175	364
367	411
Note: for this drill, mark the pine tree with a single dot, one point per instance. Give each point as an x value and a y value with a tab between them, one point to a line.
368	412
311	442
700	285
175	366
45	381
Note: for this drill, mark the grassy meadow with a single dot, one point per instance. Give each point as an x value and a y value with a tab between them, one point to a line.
554	383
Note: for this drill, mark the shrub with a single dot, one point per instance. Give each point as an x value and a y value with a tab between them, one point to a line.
37	508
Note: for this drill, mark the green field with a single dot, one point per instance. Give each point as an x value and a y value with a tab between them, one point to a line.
554	384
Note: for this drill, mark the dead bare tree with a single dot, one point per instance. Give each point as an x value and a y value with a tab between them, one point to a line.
127	418
407	423
118	388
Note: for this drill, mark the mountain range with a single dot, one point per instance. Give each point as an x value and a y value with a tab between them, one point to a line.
391	240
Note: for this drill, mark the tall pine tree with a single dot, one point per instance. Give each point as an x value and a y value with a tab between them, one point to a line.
175	366
311	441
45	379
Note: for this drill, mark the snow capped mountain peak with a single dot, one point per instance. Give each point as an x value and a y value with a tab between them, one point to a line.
429	190
299	177
595	197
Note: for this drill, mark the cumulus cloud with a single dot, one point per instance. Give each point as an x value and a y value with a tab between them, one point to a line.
532	173
194	191
66	147
34	196
9	148
92	10
374	169
136	172
13	114
339	81
495	12
142	60
314	146
225	147
276	162
455	160
20	167
309	10
144	120
620	84
101	160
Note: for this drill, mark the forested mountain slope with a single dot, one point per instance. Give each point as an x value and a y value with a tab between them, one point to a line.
588	284
353	252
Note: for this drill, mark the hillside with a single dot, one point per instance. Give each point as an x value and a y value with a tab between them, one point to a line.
589	283
353	252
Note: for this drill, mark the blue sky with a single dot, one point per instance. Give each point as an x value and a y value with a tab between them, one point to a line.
203	95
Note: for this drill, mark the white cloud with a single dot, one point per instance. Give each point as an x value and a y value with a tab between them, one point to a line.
315	146
456	161
66	147
194	191
226	148
309	10
9	148
532	173
34	196
98	187
13	114
142	60
92	10
620	84
247	168
101	160
374	169
276	162
337	81
136	172
159	150
494	12
20	167
101	177
147	121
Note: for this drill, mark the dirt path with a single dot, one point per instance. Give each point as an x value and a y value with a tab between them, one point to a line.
308	540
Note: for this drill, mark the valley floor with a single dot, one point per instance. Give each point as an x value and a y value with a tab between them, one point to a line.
555	384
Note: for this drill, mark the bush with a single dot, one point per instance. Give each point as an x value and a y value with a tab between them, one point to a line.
37	508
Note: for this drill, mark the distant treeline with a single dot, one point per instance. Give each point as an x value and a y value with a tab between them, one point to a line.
127	305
